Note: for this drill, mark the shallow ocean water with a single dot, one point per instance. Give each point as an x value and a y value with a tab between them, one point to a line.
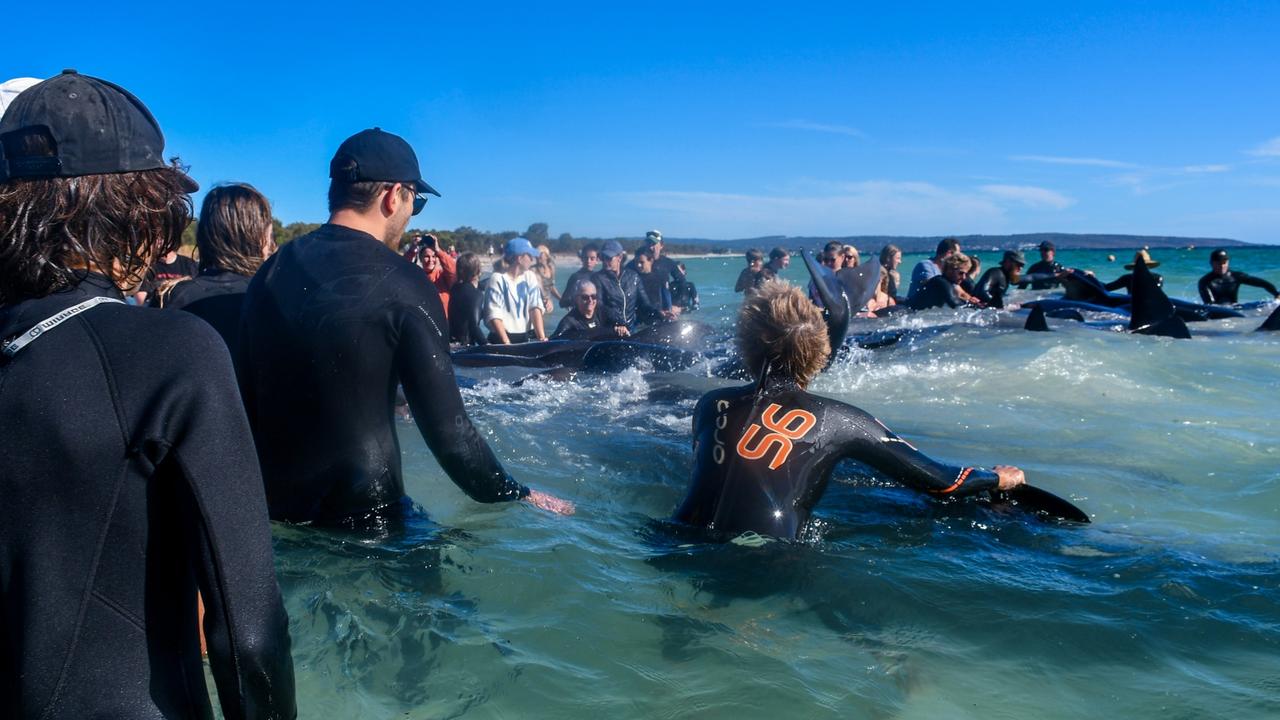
1167	606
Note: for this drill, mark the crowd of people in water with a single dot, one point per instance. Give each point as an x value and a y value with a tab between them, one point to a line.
147	449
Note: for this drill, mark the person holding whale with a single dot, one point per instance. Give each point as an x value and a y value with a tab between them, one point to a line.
1221	285
763	453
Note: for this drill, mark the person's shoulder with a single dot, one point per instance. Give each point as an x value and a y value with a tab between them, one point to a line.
180	334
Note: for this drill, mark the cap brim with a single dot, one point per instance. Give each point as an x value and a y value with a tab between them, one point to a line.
422	187
187	183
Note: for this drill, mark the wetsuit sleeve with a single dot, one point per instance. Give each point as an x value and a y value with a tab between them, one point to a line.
744	281
1206	289
475	320
244	623
868	441
1246	279
953	300
425	370
1120	282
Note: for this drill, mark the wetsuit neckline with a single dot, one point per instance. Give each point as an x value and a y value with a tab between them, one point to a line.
24	314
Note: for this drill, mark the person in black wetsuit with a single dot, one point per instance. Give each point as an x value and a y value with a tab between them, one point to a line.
590	256
657	291
943	290
583	322
466	304
1126	281
1043	275
751	276
233	237
1221	285
332	322
995	282
684	294
763	453
129	480
654	280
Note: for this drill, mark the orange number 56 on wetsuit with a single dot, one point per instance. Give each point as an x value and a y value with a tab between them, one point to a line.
793	425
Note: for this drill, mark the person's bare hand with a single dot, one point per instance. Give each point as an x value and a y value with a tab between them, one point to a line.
550	503
622	331
1010	476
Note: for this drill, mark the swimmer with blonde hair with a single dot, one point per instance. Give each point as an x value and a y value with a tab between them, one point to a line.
763	453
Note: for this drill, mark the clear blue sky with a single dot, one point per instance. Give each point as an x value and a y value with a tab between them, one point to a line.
719	120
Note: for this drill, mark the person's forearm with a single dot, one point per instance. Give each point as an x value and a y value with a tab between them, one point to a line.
499	330
538	330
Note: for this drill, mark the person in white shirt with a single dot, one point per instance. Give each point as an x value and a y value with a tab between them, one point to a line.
513	300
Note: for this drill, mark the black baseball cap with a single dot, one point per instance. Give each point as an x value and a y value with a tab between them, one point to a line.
377	155
1218	255
95	128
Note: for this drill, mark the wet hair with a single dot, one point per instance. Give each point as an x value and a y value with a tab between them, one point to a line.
883	284
956	261
887	252
235	221
52	229
753	255
833	246
358	196
645	252
947	245
589	247
778	253
780	325
468	267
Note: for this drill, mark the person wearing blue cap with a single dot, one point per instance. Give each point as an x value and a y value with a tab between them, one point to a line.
513	300
332	323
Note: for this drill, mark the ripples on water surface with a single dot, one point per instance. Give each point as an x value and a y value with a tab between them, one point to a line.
1166	607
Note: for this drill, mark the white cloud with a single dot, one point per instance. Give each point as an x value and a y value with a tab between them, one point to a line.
1033	197
819	127
1055	160
871	207
1206	168
1270	148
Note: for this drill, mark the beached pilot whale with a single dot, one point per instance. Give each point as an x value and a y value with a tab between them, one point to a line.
1272	323
1151	312
1085	293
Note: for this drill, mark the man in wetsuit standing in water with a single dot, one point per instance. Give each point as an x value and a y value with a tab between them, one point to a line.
1221	285
763	453
332	323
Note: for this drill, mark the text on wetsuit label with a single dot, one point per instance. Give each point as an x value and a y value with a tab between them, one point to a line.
791	427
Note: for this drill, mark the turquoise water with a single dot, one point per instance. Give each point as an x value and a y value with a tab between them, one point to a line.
1165	607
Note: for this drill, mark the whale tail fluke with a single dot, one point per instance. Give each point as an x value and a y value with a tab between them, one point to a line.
1036	321
1272	323
1151	312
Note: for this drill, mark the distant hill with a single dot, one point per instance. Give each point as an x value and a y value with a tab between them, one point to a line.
910	244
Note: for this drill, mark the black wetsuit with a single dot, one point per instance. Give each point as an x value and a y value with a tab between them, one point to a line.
748	280
466	306
129	481
163	272
1225	289
333	321
655	280
992	287
938	291
1126	281
1043	273
622	300
684	295
576	327
762	456
215	297
566	297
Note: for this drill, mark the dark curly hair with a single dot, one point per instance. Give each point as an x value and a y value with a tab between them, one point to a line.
53	230
235	222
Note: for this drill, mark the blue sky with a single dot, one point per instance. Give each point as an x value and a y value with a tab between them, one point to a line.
721	120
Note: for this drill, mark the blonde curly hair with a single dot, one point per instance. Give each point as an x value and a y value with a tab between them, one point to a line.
781	325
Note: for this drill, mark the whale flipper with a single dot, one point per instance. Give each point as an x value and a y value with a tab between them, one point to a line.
1272	323
1036	321
1151	312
